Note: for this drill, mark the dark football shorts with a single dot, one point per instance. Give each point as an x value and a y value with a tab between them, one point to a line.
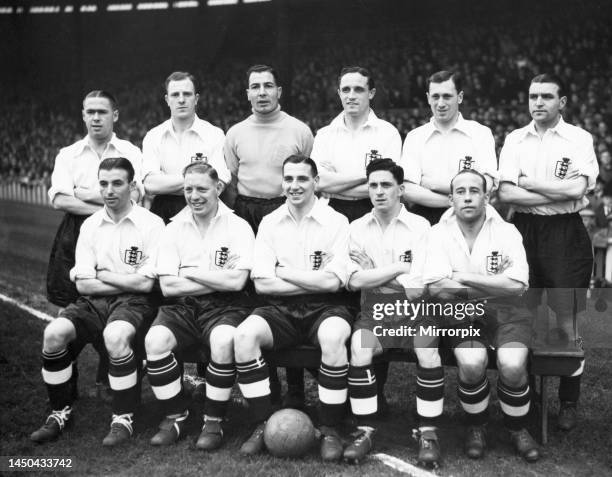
253	209
61	291
192	319
91	314
296	320
167	206
560	258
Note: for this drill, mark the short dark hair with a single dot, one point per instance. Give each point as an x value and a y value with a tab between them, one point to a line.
263	69
550	78
442	76
300	159
386	164
118	163
199	167
357	69
100	93
473	172
180	76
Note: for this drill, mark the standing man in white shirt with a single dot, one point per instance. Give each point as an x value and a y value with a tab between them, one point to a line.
433	153
74	187
175	143
301	260
114	272
205	261
546	169
343	149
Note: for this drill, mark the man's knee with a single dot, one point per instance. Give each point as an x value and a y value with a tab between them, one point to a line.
428	357
159	340
472	363
117	338
249	337
364	346
512	364
222	343
58	334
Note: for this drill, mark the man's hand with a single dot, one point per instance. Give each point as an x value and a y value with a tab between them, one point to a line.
362	259
327	258
184	272
505	264
101	274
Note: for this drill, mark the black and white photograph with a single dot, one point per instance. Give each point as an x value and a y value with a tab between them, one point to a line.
306	237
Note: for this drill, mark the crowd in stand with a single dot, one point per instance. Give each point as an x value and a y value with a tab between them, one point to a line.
495	61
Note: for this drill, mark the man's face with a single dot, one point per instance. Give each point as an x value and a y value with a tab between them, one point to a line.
468	197
606	161
182	99
263	93
545	105
355	94
201	193
99	118
115	188
444	101
384	191
299	184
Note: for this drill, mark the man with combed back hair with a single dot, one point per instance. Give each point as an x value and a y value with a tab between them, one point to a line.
114	272
546	169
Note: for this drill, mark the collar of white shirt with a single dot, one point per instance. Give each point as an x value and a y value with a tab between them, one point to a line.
491	214
114	141
461	125
404	216
320	212
561	128
185	214
199	127
135	215
371	122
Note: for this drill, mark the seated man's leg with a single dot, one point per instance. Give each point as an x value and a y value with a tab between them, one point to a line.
473	390
57	373
251	337
165	377
123	379
220	377
362	390
515	397
429	397
332	334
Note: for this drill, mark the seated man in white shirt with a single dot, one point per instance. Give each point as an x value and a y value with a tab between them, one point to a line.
301	258
114	273
473	253
387	247
204	262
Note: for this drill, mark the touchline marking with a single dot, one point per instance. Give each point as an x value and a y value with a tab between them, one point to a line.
38	314
402	466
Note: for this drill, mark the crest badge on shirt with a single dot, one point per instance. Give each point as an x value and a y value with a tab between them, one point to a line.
406	257
132	256
316	259
466	163
562	167
494	262
199	157
370	156
221	256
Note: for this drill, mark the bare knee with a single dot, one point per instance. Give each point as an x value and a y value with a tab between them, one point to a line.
222	344
58	334
512	365
117	338
248	339
159	340
428	357
472	364
363	348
